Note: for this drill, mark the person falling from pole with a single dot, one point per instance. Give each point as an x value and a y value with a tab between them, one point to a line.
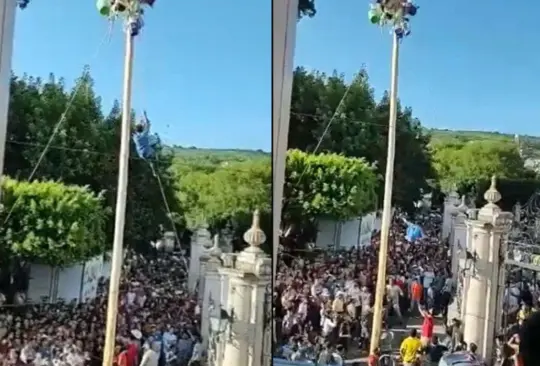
145	142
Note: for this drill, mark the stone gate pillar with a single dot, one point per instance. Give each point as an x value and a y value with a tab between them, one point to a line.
450	203
484	260
458	244
200	242
210	293
249	277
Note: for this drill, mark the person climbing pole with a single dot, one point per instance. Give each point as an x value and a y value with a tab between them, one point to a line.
145	142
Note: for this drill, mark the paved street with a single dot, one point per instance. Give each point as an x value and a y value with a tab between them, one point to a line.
401	333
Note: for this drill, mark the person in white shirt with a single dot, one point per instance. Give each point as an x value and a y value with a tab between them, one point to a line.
303	309
197	354
327	325
429	276
151	356
316	289
394	292
365	299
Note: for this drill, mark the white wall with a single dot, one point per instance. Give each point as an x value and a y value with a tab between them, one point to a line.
347	234
78	282
68	286
41	282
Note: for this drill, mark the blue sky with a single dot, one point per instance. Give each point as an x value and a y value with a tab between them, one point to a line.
202	68
467	65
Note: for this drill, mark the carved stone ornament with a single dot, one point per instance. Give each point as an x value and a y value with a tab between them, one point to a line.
503	221
263	267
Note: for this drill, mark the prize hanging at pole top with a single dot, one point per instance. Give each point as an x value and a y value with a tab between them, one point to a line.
395	13
131	10
22	4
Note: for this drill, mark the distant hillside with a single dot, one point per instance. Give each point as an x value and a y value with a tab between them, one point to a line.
192	151
530	145
210	159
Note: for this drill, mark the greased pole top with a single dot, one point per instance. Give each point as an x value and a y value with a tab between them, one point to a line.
395	14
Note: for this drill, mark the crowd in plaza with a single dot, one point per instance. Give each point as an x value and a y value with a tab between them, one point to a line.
323	302
157	322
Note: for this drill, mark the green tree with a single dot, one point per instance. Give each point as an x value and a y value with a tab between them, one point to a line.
465	164
229	193
359	128
85	152
52	223
326	185
412	165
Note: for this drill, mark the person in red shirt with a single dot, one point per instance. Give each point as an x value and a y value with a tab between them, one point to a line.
132	352
427	326
417	291
121	358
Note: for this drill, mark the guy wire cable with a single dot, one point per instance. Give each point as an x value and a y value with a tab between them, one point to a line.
332	119
56	129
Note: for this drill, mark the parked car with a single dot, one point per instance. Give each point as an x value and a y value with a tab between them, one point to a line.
459	359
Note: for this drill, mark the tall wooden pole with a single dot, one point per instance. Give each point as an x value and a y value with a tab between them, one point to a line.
8	9
387	203
284	20
119	223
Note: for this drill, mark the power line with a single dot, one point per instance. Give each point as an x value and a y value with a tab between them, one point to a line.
90	151
509	136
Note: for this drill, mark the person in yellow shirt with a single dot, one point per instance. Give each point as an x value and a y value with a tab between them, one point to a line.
410	348
338	306
525	312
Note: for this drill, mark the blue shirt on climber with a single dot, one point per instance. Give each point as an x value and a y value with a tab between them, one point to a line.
145	142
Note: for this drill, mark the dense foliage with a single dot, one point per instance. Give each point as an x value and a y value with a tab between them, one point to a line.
464	164
51	222
327	185
84	152
359	129
220	194
512	191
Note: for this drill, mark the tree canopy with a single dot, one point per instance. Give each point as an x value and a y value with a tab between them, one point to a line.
221	194
359	128
52	223
465	164
85	152
328	185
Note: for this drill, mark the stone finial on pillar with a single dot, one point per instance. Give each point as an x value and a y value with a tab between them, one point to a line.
453	196
215	251
255	237
462	208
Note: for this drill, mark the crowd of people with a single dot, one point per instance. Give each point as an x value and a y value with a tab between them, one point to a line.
157	322
323	302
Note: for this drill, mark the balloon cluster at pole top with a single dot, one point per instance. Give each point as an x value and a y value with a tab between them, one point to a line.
132	11
395	13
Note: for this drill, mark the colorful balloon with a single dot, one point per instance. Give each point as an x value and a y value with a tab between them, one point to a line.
374	16
411	9
104	7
